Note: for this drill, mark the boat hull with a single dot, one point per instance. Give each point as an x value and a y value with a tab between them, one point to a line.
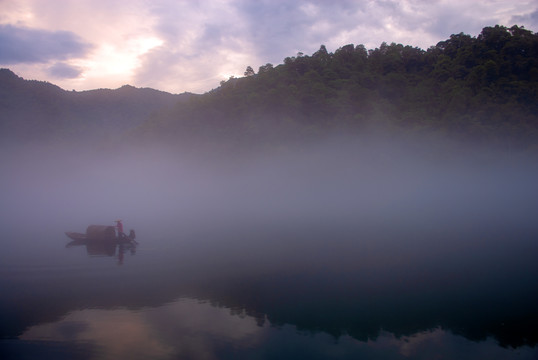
101	233
76	236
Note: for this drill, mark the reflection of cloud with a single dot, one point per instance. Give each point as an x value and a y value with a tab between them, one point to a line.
185	327
188	329
197	328
440	344
190	314
117	333
409	344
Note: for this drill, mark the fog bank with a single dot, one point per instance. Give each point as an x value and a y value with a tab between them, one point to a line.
369	183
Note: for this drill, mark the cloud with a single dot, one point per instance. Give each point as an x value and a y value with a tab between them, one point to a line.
202	44
206	42
191	46
278	29
62	70
25	45
528	20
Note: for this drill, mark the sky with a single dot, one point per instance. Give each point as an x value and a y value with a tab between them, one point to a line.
180	45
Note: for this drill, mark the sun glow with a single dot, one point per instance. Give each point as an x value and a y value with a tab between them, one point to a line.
123	59
142	45
114	63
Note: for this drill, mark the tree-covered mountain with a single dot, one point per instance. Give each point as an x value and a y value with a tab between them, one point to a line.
40	111
480	89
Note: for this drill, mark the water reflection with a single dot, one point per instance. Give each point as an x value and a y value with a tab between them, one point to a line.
106	248
191	329
185	328
321	291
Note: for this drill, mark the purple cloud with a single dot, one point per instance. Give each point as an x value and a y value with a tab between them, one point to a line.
24	45
203	42
64	71
529	20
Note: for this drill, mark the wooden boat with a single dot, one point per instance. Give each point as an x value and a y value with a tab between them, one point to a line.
101	233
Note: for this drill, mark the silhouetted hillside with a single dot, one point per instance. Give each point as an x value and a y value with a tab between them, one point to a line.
480	89
39	111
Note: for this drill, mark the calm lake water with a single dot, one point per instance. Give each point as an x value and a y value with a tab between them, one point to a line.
264	292
435	267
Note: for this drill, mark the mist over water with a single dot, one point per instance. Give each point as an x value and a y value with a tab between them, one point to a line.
339	182
379	232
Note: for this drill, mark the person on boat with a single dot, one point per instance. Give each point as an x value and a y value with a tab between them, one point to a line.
119	226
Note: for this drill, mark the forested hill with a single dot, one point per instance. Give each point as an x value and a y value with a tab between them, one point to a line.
482	89
38	111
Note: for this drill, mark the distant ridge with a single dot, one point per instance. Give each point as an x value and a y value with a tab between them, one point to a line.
39	111
480	90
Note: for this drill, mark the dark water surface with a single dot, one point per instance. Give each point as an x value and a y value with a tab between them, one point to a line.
338	264
273	293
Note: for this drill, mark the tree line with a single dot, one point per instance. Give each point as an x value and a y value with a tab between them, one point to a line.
481	89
